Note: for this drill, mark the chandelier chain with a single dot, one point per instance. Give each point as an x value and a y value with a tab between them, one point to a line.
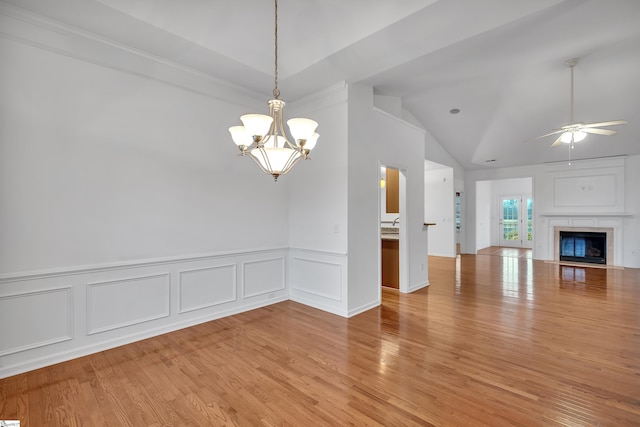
276	91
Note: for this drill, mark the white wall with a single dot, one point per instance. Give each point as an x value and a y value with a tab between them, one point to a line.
481	216
439	208
631	255
436	153
406	153
92	154
125	210
334	203
363	187
317	211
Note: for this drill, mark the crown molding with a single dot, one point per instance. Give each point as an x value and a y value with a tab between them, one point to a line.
31	29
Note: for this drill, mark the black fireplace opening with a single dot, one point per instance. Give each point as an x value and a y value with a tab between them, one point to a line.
583	246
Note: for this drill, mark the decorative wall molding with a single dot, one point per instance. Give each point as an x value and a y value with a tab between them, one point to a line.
124	302
80	310
319	279
324	279
585	191
263	276
54	324
132	264
205	287
587	188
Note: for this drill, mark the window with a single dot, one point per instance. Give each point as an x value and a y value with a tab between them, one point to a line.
458	210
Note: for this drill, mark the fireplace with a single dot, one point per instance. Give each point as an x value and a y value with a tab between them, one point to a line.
583	246
586	245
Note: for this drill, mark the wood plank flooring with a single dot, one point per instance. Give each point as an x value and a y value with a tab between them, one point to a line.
508	252
494	341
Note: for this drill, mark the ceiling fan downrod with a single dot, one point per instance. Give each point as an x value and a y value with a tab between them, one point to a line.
571	63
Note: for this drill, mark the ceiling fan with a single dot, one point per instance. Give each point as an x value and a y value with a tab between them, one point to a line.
577	131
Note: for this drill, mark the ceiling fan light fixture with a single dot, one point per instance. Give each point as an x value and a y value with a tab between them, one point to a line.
577	131
579	136
572	136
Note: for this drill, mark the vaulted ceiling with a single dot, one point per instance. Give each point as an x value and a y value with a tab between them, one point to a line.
500	62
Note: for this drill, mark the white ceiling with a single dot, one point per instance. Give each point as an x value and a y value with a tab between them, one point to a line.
501	62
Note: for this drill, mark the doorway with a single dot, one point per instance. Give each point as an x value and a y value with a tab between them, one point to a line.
439	208
503	200
516	221
393	260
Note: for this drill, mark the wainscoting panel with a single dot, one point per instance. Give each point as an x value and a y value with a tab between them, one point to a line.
263	277
35	319
323	279
206	287
118	303
319	279
56	315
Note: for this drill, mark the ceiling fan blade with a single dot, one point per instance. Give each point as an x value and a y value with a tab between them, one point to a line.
611	123
557	142
544	136
599	131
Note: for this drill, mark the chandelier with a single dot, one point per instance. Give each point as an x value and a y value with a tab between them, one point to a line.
263	138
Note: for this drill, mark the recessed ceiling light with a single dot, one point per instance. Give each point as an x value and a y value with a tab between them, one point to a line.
454	110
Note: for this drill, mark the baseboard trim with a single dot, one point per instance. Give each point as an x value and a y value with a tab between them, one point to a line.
419	286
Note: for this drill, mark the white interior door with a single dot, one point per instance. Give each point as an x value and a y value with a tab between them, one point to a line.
516	221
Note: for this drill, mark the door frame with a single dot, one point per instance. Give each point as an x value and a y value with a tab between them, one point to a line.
523	228
402	225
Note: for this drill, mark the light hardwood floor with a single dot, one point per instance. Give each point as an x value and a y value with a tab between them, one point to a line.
493	341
